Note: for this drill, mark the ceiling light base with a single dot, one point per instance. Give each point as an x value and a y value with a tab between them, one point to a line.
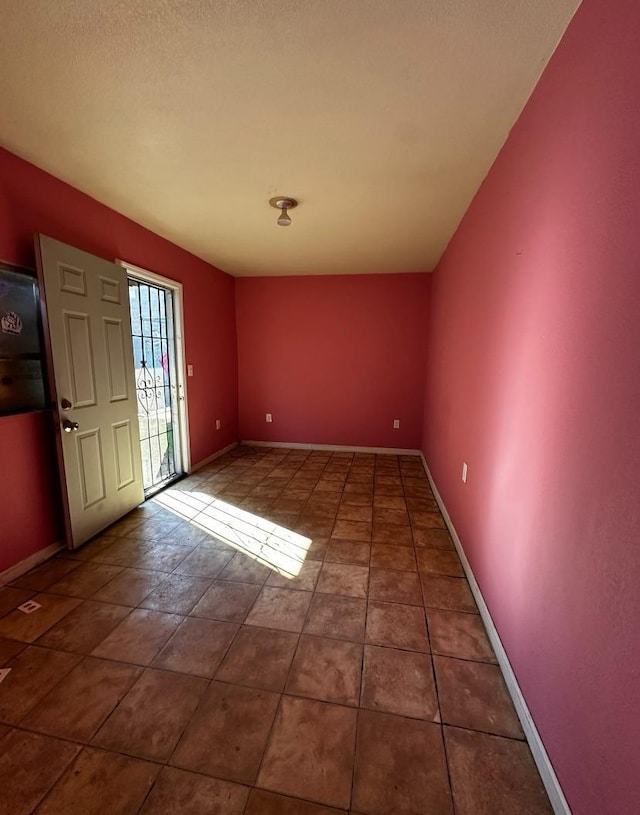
280	202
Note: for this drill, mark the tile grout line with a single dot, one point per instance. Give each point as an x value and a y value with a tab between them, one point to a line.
441	721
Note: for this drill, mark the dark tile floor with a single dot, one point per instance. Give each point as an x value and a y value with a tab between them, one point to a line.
283	632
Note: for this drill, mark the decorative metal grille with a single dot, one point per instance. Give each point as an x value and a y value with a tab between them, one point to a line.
155	374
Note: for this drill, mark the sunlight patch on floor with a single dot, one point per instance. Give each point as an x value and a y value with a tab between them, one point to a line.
263	540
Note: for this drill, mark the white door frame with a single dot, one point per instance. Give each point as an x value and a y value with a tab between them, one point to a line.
146	276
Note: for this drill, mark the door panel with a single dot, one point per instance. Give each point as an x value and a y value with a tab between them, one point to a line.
114	341
80	359
90	358
110	291
72	280
91	466
124	447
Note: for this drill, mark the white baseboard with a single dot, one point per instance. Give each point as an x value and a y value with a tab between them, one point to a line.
14	572
212	457
540	755
338	448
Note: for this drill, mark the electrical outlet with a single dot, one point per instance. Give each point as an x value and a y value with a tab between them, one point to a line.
29	607
268	418
189	370
464	472
218	424
396	424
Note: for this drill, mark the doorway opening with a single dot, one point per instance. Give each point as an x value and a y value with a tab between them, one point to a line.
155	305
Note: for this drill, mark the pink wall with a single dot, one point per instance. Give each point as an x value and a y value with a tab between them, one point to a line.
534	380
33	201
334	359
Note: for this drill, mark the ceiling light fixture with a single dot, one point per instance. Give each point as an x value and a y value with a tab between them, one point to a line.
284	205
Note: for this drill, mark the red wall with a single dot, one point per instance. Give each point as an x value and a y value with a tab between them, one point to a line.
33	201
534	380
334	359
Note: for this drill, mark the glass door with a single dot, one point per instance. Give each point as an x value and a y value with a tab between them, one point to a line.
154	353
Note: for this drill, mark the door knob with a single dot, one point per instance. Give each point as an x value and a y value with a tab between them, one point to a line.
69	427
65	404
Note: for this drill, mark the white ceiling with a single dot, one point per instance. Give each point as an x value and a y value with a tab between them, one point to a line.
381	116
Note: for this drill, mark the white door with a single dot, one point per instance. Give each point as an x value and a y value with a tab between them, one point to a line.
87	327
